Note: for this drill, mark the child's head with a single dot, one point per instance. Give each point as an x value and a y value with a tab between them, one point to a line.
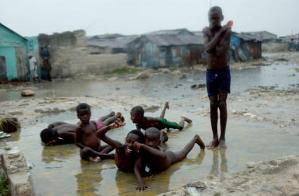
152	137
49	136
132	137
137	114
83	112
215	16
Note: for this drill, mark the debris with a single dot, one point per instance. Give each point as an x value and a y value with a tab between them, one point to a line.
142	75
4	135
9	125
197	86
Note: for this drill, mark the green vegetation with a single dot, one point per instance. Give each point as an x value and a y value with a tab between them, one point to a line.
3	185
123	71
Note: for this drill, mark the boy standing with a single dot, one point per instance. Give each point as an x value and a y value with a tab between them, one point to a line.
217	45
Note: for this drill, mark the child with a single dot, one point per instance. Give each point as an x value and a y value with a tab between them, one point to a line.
158	160
87	135
59	133
126	159
217	45
143	122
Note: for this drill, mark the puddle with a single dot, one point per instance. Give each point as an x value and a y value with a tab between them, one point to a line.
169	87
58	170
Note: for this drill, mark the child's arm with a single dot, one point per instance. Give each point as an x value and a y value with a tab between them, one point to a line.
138	169
155	152
101	133
78	138
210	45
224	43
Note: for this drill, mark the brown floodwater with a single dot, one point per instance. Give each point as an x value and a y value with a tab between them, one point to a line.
58	170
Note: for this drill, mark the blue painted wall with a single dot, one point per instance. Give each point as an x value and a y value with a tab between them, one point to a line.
9	41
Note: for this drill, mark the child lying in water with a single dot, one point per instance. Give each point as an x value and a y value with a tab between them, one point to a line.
87	134
126	159
64	133
158	160
143	122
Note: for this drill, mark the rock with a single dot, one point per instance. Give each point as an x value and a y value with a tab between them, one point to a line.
16	169
27	93
113	79
142	75
9	125
182	77
165	70
197	86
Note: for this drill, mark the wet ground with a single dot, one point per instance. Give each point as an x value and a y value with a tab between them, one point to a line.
263	124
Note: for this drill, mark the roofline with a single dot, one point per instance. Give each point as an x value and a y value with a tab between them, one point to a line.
13	31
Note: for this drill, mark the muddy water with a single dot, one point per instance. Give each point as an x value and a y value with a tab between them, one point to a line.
165	86
59	171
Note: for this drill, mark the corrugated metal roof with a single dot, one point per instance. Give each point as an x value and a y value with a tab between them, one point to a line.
261	35
110	41
174	39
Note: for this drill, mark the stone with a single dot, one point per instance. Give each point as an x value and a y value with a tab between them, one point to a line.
197	86
142	75
16	169
27	93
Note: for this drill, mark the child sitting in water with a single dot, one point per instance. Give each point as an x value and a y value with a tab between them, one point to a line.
158	160
143	122
87	134
126	159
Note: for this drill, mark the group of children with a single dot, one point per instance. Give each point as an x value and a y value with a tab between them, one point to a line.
140	149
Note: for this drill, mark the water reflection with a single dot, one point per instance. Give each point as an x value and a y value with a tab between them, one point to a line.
58	153
89	178
216	168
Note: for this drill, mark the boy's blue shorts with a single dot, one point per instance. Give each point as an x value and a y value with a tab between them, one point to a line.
218	81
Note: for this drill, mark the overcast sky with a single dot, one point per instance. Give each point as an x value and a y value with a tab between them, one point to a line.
31	17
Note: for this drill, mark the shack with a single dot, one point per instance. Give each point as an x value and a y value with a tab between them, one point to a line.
166	48
110	43
13	55
245	47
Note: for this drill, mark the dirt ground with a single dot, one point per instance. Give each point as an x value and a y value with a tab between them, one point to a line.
263	92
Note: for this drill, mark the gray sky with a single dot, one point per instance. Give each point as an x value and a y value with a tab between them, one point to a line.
31	17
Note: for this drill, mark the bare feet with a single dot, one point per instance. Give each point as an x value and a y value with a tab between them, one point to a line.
163	136
95	159
166	105
199	141
222	144
213	144
188	120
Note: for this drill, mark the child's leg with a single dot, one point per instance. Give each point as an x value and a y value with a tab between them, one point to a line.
103	118
181	155
90	154
183	120
166	106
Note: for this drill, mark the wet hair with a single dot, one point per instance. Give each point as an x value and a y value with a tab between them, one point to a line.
137	110
154	132
48	135
139	134
216	9
83	107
